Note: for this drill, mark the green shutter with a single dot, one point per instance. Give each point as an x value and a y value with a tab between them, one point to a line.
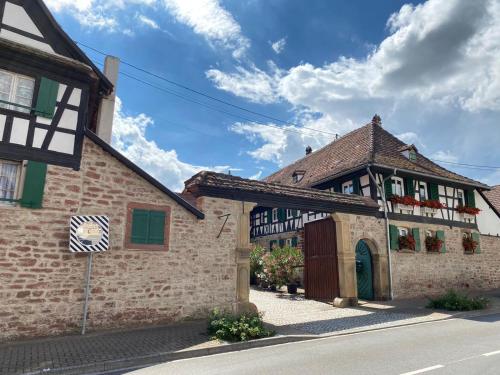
156	228
294	241
294	213
356	185
440	235
47	98
388	188
416	236
394	237
476	237
282	243
34	184
410	189
140	226
433	191
281	214
337	188
470	198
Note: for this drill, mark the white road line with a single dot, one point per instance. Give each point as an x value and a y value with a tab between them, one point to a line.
423	370
491	353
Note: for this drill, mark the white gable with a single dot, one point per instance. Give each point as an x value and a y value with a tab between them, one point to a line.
15	16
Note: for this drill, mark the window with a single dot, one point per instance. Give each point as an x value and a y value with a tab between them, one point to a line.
289	242
297	176
412	155
289	213
422	191
403	231
18	89
257	219
275	215
10	172
348	187
430	233
264	217
460	196
397	186
147	227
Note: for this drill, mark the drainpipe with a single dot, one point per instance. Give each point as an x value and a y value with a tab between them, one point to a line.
381	190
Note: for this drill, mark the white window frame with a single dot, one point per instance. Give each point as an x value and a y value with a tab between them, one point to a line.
460	197
289	213
13	92
288	242
424	186
257	219
264	217
430	233
395	182
19	180
275	215
348	187
403	231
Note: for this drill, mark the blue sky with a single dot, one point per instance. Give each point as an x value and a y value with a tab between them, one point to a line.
431	70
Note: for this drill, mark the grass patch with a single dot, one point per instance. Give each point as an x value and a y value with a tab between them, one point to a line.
455	301
243	327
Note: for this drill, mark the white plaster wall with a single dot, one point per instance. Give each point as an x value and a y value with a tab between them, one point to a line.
487	220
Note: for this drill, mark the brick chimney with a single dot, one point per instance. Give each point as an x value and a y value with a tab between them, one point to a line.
308	150
107	105
376	120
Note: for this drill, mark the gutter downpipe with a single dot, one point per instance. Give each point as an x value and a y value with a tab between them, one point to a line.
381	189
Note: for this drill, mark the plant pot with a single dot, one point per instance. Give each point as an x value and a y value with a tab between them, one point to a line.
253	279
291	288
272	288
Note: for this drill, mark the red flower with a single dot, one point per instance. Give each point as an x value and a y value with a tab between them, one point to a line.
432	203
433	244
407	200
468	210
407	242
469	244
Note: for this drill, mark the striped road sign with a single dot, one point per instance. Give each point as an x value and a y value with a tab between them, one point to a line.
89	234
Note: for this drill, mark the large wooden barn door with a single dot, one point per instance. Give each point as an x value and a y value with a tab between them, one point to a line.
321	279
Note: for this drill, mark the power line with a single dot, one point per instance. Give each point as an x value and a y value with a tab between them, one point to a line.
206	95
473	166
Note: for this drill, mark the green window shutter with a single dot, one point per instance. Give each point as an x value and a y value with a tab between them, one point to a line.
440	235
356	185
140	226
433	191
394	237
294	241
281	214
294	213
388	188
282	243
470	199
34	184
337	188
47	98
410	189
156	228
416	236
476	237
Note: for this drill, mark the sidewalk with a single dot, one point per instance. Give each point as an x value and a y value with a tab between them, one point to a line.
100	352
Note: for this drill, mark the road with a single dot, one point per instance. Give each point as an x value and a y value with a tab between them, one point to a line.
457	346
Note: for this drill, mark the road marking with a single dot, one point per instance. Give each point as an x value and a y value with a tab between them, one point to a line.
491	353
423	370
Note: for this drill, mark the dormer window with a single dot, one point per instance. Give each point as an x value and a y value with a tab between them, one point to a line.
298	176
409	152
412	155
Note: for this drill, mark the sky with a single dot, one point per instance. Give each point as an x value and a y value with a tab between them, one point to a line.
277	76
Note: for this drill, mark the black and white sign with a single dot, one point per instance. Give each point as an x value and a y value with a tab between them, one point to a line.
89	234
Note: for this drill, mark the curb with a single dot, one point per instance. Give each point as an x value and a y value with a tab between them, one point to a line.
130	364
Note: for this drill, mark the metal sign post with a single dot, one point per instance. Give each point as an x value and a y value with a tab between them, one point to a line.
88	234
87	293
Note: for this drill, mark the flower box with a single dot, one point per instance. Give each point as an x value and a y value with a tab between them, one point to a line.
467	217
404	207
428	211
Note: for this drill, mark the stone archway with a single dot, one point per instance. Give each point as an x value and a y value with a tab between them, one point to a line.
380	268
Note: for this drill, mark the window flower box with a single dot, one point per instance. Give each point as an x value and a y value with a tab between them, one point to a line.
469	244
404	204
407	242
433	244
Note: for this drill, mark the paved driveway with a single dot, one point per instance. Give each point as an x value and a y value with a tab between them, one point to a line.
293	314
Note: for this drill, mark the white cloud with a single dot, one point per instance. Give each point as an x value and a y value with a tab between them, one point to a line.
256	176
148	21
446	156
129	137
209	19
442	57
278	46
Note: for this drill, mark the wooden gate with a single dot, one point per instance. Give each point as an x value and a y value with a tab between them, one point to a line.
321	278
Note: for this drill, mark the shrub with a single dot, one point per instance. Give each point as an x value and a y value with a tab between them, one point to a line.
256	261
280	265
454	301
229	327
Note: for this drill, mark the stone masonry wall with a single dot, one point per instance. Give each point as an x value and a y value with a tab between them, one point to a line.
422	273
42	283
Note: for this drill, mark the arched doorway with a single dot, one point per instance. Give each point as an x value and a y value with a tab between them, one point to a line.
364	271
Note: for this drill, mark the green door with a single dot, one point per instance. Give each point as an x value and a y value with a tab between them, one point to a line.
364	272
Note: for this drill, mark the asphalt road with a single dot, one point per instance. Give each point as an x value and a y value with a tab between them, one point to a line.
458	346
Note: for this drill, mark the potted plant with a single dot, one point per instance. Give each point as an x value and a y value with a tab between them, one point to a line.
407	242
433	244
405	203
280	266
430	206
469	244
467	212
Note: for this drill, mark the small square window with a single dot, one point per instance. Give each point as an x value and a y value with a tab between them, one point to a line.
147	227
348	188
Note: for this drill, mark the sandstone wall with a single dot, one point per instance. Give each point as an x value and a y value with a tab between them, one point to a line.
41	282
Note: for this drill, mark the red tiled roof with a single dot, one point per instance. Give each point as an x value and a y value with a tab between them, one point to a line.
493	196
370	144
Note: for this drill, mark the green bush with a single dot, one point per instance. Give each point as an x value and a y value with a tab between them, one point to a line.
256	261
237	328
454	301
280	265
